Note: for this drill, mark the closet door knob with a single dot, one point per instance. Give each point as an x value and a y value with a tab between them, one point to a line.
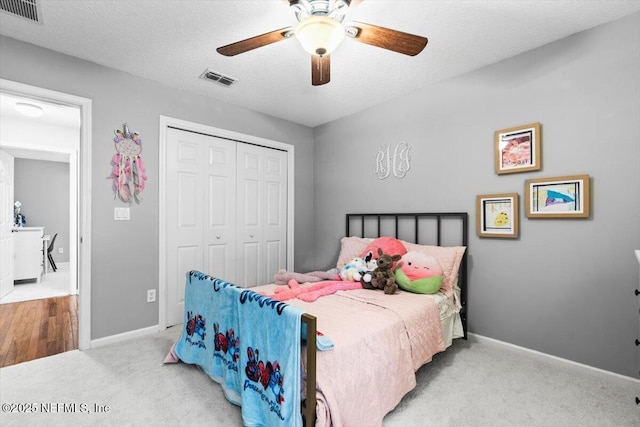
637	342
218	236
251	235
637	292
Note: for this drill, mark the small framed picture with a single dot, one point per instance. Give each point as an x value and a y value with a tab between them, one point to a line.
497	215
517	149
558	197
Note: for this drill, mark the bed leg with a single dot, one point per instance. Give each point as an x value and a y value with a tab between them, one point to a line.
309	408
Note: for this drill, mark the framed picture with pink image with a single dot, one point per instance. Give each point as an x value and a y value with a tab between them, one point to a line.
517	149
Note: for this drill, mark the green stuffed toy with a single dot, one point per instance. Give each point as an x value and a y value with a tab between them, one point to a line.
419	273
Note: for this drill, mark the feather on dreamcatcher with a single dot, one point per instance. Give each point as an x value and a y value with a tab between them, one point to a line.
128	172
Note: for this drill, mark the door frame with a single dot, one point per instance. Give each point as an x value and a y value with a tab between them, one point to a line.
166	122
80	168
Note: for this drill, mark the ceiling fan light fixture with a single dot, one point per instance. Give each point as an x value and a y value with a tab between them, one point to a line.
28	109
319	35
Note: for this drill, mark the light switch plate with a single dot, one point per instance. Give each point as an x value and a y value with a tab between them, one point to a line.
121	214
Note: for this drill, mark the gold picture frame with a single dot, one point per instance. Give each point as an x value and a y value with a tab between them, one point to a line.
497	215
517	149
558	197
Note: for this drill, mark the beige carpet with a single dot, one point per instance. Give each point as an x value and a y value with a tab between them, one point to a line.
471	384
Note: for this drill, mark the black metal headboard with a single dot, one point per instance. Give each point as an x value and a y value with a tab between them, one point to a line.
433	228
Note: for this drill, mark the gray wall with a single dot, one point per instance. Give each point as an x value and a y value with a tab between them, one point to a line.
565	287
124	256
43	189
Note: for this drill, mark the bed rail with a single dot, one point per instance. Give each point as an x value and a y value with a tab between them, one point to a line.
411	228
309	404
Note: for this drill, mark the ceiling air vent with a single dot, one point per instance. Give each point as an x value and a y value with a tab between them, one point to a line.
27	9
218	78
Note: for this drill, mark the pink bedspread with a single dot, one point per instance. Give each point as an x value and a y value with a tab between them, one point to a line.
379	342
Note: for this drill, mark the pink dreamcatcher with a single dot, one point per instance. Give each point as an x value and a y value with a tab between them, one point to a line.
128	172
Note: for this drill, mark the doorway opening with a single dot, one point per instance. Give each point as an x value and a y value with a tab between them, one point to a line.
79	160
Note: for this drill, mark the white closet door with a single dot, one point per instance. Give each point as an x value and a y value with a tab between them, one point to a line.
220	209
200	212
6	223
262	214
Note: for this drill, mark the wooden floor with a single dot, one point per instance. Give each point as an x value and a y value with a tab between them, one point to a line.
38	328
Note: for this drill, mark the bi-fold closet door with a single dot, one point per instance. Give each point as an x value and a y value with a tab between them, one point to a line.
226	212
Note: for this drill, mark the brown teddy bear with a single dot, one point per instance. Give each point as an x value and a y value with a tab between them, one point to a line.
383	276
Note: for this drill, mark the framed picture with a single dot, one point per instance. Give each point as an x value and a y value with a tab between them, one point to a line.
559	197
517	149
497	215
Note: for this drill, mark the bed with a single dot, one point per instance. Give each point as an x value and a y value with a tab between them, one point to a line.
369	344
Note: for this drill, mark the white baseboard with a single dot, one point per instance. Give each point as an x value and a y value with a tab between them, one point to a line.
612	376
138	333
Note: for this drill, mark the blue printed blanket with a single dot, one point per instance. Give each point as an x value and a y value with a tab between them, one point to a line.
248	343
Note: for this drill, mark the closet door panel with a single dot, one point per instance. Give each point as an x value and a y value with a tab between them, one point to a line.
188	258
200	218
275	208
184	218
274	260
220	213
251	265
188	200
262	196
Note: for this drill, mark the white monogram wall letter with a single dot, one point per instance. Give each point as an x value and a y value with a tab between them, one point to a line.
397	162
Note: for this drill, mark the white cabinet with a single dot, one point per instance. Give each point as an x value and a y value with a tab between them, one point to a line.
27	253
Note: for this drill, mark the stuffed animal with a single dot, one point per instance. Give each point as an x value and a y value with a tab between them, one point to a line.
359	269
383	276
313	291
352	267
419	273
282	277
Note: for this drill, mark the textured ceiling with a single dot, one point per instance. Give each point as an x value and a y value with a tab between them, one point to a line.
173	42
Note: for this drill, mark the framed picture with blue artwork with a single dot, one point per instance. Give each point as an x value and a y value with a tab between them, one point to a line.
558	197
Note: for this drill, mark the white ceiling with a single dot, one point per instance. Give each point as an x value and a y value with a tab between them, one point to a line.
173	42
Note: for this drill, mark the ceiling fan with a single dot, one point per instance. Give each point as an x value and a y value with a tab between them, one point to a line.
320	31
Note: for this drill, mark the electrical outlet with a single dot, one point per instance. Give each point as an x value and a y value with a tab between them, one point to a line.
60	250
151	295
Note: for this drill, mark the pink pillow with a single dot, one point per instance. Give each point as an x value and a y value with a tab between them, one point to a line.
449	258
389	245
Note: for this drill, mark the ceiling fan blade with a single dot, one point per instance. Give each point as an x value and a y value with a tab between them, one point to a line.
397	41
320	70
255	42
